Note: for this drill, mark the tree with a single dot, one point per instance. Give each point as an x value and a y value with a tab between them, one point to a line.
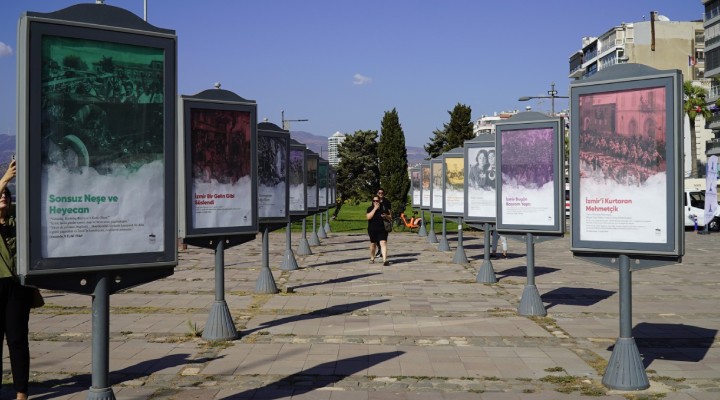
437	143
358	174
693	106
392	155
460	127
454	133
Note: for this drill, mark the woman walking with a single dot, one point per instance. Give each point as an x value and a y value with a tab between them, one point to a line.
376	230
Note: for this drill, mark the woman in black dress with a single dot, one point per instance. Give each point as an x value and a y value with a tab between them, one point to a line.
376	230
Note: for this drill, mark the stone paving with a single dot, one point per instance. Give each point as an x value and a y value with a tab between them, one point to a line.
421	328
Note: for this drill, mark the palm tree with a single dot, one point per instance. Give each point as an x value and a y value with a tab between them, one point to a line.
693	106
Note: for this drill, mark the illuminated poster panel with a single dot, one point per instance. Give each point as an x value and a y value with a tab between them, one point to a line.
436	187
97	128
297	174
454	178
416	187
626	153
220	148
312	180
272	173
425	191
480	179
323	184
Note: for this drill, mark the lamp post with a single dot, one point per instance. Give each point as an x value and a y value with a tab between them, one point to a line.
552	94
286	122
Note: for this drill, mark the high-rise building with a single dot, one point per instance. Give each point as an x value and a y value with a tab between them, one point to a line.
333	144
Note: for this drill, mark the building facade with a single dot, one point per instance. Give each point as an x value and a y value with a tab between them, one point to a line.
333	144
711	24
661	44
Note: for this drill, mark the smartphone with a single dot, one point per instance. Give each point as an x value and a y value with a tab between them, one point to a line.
13	157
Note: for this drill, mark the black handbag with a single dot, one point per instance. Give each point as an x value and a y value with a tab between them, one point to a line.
388	225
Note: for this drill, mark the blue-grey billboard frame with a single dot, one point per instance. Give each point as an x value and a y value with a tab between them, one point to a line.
528	121
221	100
454	154
483	142
425	167
270	130
627	78
436	163
91	25
296	147
312	176
415	182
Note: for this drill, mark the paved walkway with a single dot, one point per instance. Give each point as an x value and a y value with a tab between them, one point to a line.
421	328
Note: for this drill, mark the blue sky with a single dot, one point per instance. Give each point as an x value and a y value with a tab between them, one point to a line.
342	64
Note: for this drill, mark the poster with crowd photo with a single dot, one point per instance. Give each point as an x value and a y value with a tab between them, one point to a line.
436	186
298	197
425	191
480	194
323	184
527	180
454	178
626	156
272	173
102	122
416	186
220	153
312	180
530	177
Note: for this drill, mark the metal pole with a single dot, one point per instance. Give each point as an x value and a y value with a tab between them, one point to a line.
266	281
625	369
531	304
444	245
100	389
289	263
220	325
145	10
486	273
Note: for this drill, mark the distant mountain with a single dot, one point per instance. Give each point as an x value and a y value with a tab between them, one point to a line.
316	143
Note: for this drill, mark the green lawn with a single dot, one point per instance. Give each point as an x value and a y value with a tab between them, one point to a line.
352	219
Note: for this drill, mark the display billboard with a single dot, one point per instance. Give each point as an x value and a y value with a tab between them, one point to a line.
480	178
416	187
626	155
436	186
96	143
425	178
297	174
454	180
323	171
312	159
530	166
273	171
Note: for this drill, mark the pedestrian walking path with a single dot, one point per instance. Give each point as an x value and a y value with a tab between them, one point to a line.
421	328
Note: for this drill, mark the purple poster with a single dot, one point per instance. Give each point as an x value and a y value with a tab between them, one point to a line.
623	180
528	193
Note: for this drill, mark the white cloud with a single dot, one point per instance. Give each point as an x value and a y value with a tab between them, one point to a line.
5	50
359	79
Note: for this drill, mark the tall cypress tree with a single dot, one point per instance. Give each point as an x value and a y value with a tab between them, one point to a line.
392	156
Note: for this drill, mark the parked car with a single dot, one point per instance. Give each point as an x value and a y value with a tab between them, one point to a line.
694	205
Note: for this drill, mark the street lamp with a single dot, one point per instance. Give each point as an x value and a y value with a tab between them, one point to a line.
286	122
552	94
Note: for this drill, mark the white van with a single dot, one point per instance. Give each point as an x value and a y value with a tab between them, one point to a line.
694	204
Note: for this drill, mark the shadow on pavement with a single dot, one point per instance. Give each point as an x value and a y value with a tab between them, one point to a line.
672	342
325	312
336	280
573	296
317	377
55	388
522	271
